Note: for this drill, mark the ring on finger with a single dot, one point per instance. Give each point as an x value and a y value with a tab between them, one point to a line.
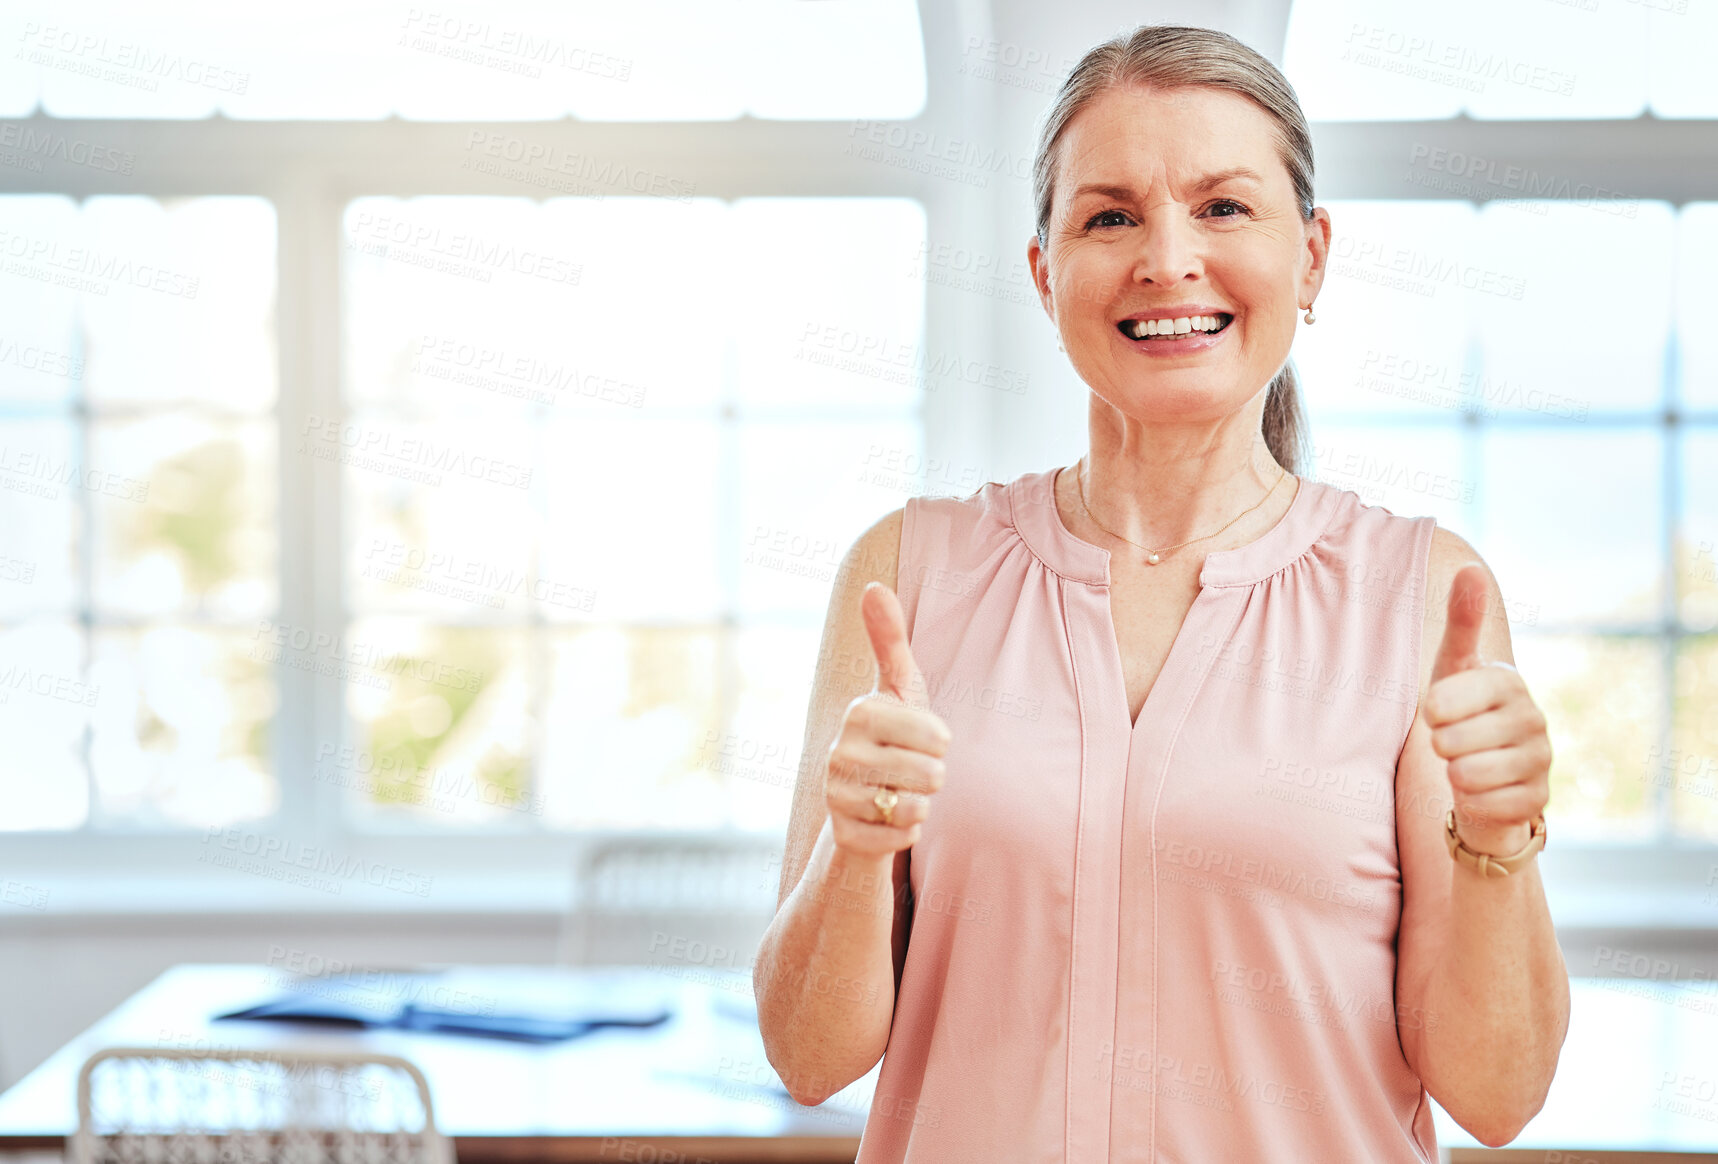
885	800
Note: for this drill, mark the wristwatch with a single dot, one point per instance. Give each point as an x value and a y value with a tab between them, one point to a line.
1488	865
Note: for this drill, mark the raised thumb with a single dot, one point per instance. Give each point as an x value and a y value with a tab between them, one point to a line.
897	674
1468	599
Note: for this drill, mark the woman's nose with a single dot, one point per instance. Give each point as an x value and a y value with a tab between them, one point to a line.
1169	250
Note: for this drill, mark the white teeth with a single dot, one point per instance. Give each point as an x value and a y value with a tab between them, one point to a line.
1144	327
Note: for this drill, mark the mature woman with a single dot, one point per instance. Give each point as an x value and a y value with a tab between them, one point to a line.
1140	846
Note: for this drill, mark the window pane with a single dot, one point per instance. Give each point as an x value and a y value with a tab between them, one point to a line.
41	491
181	735
1410	470
1697	303
627	714
46	700
650	451
831	316
442	253
440	513
41	349
190	315
806	494
123	311
185	517
1393	315
415	553
175	300
635	520
1697	540
506	305
1433	307
1691	768
443	724
1573	521
1681	34
504	60
1542	337
1356	60
849	58
759	759
1603	699
657	302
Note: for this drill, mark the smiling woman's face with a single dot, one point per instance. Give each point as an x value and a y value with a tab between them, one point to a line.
1175	205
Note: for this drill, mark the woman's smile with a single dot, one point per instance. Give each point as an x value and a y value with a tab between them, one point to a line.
1176	331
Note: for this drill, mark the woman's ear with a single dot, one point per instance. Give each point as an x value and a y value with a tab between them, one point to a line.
1040	264
1315	261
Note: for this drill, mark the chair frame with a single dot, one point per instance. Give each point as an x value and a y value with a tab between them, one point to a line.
437	1148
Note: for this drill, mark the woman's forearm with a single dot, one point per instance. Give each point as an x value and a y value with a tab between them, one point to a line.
825	973
1497	1003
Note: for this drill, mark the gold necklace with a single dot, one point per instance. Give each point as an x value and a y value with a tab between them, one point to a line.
1154	556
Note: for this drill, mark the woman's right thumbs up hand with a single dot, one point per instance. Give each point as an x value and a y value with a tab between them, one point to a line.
888	739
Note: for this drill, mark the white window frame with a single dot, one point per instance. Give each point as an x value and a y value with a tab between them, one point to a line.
1665	884
310	171
332	163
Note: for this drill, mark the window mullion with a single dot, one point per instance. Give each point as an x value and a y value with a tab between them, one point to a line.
308	711
326	539
1661	791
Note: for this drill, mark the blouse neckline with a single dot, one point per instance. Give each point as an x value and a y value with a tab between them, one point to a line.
1032	509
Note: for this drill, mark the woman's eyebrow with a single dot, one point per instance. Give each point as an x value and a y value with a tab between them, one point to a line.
1125	192
1237	173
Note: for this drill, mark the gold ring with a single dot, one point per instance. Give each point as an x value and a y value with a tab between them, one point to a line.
885	800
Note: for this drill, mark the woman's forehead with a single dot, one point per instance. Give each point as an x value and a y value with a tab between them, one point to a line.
1177	135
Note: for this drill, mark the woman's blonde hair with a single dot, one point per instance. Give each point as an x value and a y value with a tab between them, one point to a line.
1166	56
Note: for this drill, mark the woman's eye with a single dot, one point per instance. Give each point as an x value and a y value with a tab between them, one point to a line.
1097	219
1232	208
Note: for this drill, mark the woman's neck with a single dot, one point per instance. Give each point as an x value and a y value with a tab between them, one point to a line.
1161	501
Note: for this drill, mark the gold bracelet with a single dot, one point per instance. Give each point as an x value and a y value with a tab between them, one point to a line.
1488	865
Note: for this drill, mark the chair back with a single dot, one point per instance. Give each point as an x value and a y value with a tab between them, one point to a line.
156	1105
634	897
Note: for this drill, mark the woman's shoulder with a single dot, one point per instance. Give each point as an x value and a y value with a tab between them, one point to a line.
1409	552
938	522
932	518
993	496
1363	527
874	555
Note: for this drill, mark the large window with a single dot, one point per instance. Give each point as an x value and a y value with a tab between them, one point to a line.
1463	366
598	464
484	479
437	435
1514	340
138	495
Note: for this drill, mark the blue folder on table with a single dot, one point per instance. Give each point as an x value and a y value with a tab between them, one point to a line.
470	1003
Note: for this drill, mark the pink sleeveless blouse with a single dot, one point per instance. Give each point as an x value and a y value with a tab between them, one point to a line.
1170	940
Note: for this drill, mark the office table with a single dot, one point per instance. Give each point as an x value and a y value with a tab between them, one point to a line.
698	1084
1638	1079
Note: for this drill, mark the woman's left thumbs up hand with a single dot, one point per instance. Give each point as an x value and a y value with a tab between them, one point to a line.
1487	726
